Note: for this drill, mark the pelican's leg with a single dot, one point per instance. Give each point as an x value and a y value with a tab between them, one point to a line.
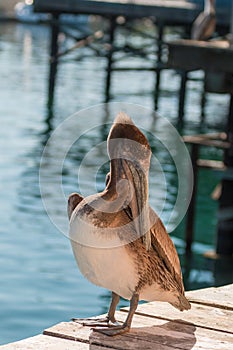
109	320
125	327
112	308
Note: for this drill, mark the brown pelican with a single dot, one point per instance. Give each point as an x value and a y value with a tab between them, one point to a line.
204	25
118	241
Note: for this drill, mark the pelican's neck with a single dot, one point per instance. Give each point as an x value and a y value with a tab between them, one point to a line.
209	6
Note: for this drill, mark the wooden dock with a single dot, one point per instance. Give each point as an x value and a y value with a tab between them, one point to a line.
162	12
207	326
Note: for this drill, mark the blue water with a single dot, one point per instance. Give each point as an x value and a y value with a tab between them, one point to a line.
40	284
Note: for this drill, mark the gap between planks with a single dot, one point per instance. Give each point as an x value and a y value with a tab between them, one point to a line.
220	297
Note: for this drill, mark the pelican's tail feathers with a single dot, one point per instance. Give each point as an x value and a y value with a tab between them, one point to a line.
181	303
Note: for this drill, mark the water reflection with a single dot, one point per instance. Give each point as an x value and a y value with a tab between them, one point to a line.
201	272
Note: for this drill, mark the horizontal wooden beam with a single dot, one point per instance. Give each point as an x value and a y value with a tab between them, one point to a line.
170	11
211	164
202	140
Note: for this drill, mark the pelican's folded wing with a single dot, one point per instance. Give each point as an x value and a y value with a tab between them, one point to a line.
164	247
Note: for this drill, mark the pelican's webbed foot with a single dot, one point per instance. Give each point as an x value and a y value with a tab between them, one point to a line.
113	330
107	321
125	327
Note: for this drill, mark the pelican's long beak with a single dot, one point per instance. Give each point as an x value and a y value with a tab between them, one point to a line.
130	153
139	204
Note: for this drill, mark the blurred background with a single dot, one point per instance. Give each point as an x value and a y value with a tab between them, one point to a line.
40	283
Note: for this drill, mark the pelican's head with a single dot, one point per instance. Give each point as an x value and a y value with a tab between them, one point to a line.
126	141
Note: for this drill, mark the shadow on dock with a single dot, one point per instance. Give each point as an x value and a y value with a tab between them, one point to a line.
172	334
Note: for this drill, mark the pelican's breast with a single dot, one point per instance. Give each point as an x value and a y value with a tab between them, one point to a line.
101	255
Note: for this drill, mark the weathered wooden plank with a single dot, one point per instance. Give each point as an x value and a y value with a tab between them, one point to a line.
43	342
221	297
148	333
200	315
69	331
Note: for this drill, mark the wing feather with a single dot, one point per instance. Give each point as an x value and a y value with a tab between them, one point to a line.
164	247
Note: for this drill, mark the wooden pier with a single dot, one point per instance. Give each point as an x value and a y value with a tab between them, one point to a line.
178	11
207	326
163	12
213	57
